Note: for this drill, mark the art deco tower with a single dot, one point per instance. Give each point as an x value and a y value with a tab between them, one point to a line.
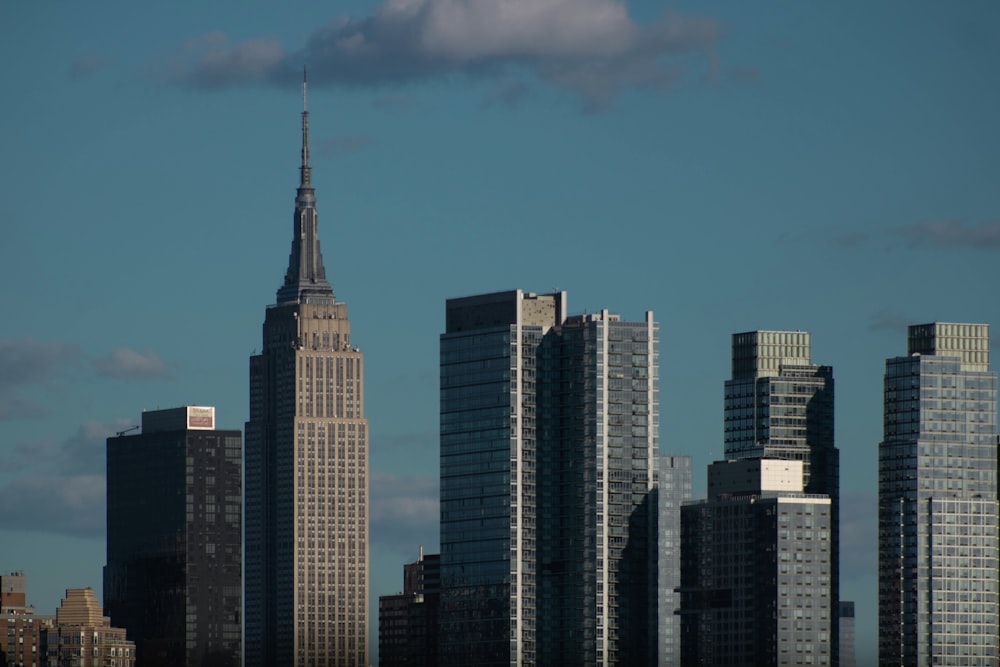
306	468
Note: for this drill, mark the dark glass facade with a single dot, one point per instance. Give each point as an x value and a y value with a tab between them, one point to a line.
938	550
408	622
174	515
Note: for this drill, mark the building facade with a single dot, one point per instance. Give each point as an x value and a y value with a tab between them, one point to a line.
848	649
408	622
174	539
756	569
306	468
674	489
548	465
938	549
778	404
20	628
83	637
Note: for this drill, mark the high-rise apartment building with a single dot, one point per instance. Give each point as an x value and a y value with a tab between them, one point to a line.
306	529
174	539
778	404
756	569
548	460
938	546
408	622
674	489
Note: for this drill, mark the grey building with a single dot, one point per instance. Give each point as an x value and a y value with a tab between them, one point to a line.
307	468
778	404
548	465
938	545
174	539
673	490
848	649
756	569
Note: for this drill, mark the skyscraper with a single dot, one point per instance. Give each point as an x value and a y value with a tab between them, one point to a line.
756	569
778	404
938	546
173	577
306	468
674	489
548	449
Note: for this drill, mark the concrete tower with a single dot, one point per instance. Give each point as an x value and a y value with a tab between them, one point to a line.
306	468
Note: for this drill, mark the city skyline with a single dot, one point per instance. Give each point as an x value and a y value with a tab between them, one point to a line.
845	165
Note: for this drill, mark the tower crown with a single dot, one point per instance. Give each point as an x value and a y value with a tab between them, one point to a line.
306	276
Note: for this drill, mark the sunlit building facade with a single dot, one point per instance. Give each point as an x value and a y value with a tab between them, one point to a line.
938	546
307	567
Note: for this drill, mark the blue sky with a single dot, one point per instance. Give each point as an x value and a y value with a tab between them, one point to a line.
730	166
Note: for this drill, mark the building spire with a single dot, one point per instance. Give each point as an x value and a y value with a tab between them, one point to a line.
305	175
305	279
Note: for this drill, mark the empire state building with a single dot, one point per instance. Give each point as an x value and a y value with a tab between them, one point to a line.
306	469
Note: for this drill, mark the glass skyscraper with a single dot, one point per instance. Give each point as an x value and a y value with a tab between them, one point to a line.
778	404
938	545
548	462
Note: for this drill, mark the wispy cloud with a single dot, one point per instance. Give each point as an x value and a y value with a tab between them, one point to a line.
25	364
126	363
889	320
336	146
404	510
87	65
507	94
952	234
934	235
58	487
590	47
395	102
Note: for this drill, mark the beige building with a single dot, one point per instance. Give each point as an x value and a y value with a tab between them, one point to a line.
306	469
83	636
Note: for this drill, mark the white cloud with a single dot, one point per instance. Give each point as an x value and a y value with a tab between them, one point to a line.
126	363
590	47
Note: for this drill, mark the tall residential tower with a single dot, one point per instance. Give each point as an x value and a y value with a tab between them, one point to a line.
306	468
755	569
778	404
937	547
548	457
